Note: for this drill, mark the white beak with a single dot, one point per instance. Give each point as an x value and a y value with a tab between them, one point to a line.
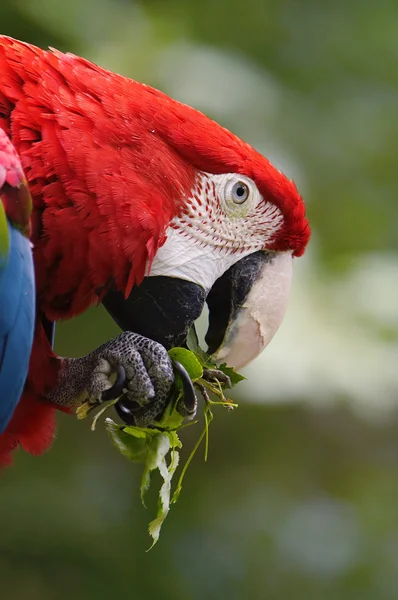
259	315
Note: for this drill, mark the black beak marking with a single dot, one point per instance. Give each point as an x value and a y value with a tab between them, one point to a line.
229	293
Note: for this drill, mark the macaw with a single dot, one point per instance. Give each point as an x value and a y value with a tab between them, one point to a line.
17	295
150	207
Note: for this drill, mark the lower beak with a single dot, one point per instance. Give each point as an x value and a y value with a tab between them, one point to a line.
246	307
160	308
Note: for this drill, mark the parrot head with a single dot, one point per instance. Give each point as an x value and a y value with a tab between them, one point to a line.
238	225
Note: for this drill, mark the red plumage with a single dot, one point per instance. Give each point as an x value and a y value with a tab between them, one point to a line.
109	162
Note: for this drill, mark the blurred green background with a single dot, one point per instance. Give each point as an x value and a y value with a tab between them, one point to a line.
299	498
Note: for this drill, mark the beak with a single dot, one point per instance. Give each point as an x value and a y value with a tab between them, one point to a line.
247	305
160	308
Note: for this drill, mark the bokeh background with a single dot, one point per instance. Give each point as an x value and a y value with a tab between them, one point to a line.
299	498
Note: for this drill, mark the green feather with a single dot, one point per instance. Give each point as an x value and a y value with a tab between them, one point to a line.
4	240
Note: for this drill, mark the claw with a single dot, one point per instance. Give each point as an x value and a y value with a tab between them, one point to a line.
125	411
189	397
116	390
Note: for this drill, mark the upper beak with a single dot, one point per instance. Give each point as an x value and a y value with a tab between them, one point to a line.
246	307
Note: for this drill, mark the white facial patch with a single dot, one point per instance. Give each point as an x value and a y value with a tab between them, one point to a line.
216	229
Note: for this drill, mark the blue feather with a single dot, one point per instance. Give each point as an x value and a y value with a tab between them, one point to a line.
17	317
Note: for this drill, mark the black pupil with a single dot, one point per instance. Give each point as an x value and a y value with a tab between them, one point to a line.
240	191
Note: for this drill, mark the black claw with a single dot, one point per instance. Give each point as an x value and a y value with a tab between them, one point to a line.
116	390
189	396
125	411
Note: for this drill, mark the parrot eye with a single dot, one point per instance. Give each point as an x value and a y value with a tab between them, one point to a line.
240	192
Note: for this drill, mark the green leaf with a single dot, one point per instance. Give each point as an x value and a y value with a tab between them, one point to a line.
158	450
171	418
188	360
174	440
132	442
232	374
192	339
4	237
193	345
151	447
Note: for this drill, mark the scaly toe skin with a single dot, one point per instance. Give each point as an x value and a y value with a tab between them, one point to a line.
147	365
138	384
81	379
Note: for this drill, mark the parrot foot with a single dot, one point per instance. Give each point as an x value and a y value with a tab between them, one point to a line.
145	416
143	368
